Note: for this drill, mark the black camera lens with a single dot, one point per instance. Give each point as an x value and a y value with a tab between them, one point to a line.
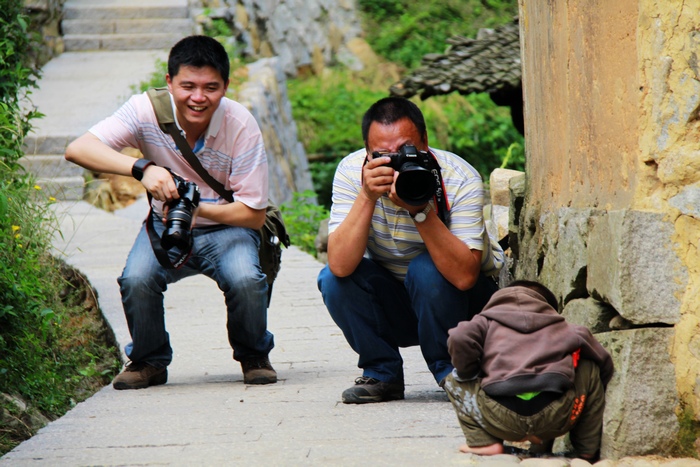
178	222
177	227
415	185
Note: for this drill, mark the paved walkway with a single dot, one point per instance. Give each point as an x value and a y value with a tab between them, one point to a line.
205	415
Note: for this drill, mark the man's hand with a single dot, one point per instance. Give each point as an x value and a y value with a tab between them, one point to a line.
377	178
159	183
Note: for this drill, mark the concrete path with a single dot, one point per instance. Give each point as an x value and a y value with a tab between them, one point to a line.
205	415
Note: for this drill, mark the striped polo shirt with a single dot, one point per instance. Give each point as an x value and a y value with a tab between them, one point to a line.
231	150
393	237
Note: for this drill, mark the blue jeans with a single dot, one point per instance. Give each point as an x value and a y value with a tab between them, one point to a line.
228	255
378	314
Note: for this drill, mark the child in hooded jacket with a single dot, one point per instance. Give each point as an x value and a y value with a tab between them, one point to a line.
522	373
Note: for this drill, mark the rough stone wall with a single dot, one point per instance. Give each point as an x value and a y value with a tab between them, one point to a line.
45	16
305	35
265	95
608	215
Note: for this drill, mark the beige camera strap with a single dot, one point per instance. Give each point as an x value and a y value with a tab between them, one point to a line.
163	107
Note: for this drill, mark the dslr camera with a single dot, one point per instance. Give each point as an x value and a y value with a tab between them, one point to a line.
416	183
180	212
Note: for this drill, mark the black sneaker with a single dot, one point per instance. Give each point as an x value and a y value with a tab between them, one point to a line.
140	376
258	370
368	389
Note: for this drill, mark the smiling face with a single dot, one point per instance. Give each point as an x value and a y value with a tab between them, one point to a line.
197	93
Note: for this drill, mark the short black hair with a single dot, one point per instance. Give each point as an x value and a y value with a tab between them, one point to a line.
390	110
540	289
198	52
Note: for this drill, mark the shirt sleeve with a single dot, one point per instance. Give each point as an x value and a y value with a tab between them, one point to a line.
346	188
121	129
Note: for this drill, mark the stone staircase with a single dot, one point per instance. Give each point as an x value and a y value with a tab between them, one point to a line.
124	24
126	30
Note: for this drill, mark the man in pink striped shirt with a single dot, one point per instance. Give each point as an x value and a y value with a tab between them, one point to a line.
227	141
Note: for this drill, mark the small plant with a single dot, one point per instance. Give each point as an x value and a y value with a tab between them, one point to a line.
302	217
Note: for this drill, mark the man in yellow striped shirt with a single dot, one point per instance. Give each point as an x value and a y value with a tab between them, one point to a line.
401	274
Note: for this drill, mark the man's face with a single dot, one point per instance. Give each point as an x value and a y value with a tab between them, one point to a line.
390	138
197	93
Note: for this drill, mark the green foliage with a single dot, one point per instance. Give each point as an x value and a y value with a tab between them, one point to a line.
476	129
155	80
40	361
402	31
328	111
302	217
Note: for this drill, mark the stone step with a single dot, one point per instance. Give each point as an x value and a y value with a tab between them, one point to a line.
124	10
51	166
63	188
126	26
51	145
84	42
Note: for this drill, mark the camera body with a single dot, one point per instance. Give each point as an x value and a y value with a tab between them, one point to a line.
180	213
416	183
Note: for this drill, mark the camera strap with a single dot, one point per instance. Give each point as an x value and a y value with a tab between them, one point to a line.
162	255
440	192
160	99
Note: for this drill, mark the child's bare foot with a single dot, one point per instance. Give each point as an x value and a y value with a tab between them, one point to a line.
490	450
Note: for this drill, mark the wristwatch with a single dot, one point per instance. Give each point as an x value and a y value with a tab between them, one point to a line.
423	215
139	166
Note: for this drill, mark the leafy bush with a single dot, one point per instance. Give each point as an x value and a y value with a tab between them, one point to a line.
476	129
402	31
45	339
302	217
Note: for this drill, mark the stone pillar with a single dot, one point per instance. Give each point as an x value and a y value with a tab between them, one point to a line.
611	213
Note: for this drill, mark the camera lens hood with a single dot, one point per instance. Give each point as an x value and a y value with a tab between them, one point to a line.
415	185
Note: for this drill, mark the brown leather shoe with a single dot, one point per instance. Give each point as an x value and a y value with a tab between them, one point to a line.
258	370
139	376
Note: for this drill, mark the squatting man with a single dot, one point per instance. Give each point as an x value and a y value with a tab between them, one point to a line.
409	256
229	145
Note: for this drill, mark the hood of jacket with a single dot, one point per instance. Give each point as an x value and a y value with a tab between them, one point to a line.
506	308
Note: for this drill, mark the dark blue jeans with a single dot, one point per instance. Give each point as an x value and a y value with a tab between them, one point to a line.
228	255
378	314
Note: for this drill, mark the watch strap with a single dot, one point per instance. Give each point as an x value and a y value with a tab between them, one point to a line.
139	167
424	212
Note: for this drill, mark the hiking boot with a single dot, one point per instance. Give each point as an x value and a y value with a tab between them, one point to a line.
139	376
368	389
258	370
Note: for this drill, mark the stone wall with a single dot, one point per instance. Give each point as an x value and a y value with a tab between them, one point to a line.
45	16
306	35
607	216
265	95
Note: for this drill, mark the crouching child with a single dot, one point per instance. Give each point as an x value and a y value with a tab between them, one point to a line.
522	373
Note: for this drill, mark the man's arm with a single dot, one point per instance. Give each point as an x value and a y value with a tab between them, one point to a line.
347	244
89	152
457	263
235	213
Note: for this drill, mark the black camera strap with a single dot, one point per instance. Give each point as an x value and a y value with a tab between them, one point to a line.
160	99
160	252
440	192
